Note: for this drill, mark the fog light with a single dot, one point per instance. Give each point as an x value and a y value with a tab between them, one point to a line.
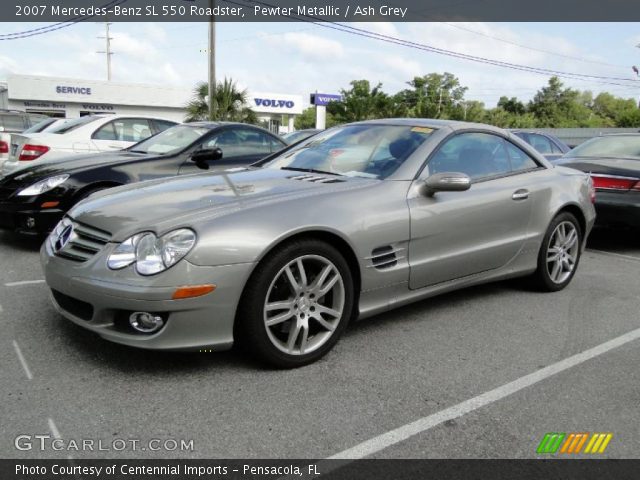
31	222
146	322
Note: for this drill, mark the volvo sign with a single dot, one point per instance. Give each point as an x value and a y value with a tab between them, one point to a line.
324	98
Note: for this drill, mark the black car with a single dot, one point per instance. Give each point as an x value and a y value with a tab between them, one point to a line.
614	164
548	145
34	199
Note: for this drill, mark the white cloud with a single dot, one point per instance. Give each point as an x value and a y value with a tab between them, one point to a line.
309	45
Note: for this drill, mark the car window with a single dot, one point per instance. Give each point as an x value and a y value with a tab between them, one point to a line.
541	143
238	142
627	146
40	126
73	124
520	160
162	125
479	155
359	150
124	130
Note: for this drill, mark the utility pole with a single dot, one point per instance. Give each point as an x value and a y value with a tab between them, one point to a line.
108	51
212	61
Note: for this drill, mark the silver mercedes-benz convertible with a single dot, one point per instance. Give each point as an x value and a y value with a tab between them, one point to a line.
351	222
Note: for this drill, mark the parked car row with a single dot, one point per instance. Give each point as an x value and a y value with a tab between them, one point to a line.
209	234
280	254
85	135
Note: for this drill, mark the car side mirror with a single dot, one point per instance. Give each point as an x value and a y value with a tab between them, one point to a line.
206	154
445	182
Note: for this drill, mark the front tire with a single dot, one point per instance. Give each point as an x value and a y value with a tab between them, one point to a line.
559	254
296	304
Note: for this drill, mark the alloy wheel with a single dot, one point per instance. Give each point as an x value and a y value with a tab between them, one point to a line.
562	252
304	304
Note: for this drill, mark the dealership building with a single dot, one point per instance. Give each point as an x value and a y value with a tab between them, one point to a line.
73	98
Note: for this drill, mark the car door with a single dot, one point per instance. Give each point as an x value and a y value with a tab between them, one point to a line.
240	146
457	234
121	133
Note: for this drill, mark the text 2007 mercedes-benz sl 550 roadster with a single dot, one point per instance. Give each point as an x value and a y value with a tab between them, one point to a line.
280	256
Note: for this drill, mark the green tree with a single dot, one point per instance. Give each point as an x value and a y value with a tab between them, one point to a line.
512	105
432	96
230	104
469	111
307	119
360	102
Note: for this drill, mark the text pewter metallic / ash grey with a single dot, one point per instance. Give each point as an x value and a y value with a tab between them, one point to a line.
354	221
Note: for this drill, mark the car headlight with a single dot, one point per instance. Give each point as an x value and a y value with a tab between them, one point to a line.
125	254
43	186
152	254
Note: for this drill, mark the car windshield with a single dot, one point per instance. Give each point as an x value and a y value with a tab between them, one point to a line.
73	124
40	126
627	146
172	140
293	137
374	151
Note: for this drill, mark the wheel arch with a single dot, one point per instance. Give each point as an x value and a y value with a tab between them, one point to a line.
577	212
330	237
80	194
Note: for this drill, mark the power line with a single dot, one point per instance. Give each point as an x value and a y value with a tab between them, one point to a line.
605	80
549	52
56	26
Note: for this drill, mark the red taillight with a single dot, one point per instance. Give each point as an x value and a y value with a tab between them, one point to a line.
4	147
603	182
32	152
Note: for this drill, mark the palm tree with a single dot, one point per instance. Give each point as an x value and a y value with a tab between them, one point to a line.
230	104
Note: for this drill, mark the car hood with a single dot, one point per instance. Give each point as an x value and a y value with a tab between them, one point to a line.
161	205
75	164
602	165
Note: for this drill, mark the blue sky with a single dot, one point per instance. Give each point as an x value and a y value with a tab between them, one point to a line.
300	58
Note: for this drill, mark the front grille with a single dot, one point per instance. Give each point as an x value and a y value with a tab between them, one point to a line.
84	242
75	307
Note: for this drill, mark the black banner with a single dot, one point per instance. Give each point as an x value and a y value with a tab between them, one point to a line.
325	469
318	10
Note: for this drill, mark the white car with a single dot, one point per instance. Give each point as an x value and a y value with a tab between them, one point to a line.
15	121
85	135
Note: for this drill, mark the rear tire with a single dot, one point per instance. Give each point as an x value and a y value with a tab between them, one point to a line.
296	304
559	254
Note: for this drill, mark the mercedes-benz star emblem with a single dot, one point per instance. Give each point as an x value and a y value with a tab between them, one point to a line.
64	238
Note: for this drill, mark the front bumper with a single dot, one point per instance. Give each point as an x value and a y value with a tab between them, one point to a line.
100	300
618	209
22	218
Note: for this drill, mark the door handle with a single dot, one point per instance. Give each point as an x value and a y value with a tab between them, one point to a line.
522	194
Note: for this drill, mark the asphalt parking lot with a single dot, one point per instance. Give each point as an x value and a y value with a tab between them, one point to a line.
439	366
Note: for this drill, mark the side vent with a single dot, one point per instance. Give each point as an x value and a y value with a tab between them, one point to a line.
385	257
315	179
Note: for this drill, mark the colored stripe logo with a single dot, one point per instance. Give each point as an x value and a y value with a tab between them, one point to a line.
574	442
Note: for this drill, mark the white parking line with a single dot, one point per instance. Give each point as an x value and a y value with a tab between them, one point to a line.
25	282
400	434
618	255
23	362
